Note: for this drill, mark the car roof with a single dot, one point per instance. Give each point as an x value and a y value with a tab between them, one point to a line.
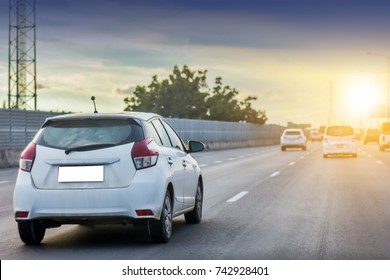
340	126
124	115
293	129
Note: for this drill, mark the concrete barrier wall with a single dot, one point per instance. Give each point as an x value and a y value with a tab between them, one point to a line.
18	127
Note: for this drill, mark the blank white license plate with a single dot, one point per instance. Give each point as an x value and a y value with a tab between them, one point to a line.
68	174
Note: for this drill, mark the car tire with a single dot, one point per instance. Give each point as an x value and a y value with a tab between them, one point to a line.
354	155
195	216
325	156
160	231
283	149
304	148
31	232
381	149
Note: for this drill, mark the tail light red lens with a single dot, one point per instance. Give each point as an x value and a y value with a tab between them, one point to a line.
142	156
144	212
21	214
27	158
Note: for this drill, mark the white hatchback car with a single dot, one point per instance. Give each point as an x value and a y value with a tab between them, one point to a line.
293	138
107	169
339	140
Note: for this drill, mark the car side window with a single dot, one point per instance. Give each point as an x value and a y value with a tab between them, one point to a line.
162	133
175	140
151	132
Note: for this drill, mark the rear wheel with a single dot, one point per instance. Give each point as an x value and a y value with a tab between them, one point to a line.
160	231
195	216
31	232
325	156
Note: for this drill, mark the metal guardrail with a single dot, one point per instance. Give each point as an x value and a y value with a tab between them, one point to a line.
18	127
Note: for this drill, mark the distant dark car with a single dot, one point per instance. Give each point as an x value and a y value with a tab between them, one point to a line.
371	135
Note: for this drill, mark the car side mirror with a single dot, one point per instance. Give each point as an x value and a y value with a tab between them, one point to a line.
195	146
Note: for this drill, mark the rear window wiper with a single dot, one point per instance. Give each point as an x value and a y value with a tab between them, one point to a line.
88	148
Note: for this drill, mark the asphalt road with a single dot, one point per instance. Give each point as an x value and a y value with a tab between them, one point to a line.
260	203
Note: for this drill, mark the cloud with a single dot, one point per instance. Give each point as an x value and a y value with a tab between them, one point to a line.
42	86
126	90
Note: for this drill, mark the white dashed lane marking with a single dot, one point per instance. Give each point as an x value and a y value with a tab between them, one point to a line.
237	197
275	174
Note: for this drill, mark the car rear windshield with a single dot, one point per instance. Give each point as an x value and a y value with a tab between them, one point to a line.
293	132
66	134
339	131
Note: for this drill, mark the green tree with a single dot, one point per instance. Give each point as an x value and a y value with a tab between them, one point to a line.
185	94
222	104
182	95
250	115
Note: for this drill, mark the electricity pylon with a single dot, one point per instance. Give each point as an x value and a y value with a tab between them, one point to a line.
22	84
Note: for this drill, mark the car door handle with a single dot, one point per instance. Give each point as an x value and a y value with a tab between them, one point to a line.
170	161
184	163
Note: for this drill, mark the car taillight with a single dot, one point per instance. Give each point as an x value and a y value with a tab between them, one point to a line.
27	158
21	214
144	212
142	156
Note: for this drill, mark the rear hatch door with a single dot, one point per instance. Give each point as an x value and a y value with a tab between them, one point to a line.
85	153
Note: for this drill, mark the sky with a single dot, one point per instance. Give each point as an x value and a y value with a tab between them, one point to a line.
305	60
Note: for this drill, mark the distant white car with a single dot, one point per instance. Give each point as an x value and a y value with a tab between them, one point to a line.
293	138
384	137
339	140
315	135
107	169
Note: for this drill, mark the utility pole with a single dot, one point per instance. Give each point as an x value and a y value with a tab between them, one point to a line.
22	84
330	114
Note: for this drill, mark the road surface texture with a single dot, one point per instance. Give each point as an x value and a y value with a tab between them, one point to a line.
259	203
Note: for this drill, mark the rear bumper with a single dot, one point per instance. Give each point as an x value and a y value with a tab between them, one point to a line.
333	149
114	205
293	144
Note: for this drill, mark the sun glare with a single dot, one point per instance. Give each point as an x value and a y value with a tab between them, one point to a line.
362	95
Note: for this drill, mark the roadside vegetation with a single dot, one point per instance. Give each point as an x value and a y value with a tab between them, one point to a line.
185	94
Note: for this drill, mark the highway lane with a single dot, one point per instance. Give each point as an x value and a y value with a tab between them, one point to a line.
260	203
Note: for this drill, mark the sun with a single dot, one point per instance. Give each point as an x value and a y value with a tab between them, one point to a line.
362	94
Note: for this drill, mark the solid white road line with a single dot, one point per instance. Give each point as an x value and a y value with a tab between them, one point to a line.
237	197
275	174
292	163
4	182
